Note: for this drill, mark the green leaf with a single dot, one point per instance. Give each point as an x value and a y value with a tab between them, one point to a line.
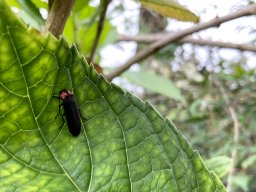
29	12
220	165
170	8
155	83
32	10
243	181
125	145
250	161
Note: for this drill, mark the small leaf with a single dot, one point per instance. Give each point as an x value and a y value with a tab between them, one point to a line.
29	12
155	83
242	181
170	8
250	161
220	165
32	10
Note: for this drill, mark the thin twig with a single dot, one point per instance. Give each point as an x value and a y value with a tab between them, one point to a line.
58	15
104	7
155	37
236	126
154	47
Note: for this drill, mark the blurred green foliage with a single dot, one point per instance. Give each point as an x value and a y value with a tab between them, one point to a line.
81	28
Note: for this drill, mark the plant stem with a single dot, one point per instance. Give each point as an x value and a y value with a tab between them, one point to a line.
58	15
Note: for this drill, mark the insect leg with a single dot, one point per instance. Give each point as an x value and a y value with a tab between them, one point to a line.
63	121
56	97
60	105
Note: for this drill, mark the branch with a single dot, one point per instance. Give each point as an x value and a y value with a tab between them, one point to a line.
99	29
154	47
156	37
236	125
58	15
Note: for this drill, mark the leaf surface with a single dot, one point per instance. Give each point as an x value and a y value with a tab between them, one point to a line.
125	144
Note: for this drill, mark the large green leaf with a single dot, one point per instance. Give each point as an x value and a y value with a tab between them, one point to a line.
125	145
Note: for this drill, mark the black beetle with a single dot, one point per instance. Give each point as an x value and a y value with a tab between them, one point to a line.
71	111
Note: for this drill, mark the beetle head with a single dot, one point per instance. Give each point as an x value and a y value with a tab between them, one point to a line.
63	94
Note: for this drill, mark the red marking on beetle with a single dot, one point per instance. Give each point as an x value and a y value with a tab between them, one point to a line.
63	94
